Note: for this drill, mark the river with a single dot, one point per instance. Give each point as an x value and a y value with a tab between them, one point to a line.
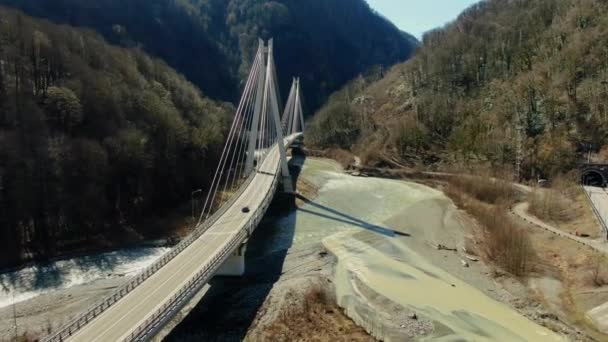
30	282
378	229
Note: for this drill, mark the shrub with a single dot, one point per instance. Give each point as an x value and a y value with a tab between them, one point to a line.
505	243
486	189
597	270
551	205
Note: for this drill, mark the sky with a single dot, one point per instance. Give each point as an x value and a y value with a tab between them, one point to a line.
419	16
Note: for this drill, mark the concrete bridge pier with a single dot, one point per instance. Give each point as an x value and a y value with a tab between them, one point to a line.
234	266
287	185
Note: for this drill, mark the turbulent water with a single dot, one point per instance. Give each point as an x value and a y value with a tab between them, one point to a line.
366	223
32	281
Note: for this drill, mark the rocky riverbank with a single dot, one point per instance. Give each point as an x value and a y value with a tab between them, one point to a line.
401	269
43	297
387	255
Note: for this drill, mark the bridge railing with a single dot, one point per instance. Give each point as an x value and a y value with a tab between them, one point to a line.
163	314
76	324
83	319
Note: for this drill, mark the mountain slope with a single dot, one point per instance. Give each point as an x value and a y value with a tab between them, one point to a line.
326	42
168	29
94	138
529	74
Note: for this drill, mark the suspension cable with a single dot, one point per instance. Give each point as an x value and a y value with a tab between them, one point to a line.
219	170
238	150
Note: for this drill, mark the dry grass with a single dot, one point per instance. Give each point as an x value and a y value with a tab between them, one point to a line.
557	204
565	206
522	250
486	189
506	244
345	158
551	205
573	265
316	318
597	271
486	199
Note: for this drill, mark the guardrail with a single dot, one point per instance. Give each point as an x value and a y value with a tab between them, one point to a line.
83	319
155	322
597	212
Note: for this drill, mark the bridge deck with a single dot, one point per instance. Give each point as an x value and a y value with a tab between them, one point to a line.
118	321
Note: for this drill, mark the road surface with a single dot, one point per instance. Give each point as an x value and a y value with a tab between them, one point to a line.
599	200
118	321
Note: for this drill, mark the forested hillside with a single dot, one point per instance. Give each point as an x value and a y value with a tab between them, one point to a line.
529	74
326	42
92	138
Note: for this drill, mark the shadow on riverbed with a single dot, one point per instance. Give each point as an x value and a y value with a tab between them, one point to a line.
229	307
345	218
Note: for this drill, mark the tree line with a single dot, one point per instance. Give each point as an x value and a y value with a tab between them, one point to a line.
212	42
508	82
92	138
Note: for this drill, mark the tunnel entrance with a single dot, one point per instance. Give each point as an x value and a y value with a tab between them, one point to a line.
593	178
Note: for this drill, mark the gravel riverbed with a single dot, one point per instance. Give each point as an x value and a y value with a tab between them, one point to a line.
372	242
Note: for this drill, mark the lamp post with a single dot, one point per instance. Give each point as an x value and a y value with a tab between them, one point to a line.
192	200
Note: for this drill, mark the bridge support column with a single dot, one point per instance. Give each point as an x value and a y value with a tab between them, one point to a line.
235	265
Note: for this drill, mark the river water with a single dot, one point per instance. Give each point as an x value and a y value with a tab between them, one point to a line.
374	227
30	282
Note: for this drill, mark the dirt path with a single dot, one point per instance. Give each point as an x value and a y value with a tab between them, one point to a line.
599	313
521	210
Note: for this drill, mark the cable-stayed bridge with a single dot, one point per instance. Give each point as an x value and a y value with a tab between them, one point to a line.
252	166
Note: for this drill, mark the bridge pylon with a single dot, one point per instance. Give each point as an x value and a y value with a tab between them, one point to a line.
293	117
266	121
237	199
271	87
